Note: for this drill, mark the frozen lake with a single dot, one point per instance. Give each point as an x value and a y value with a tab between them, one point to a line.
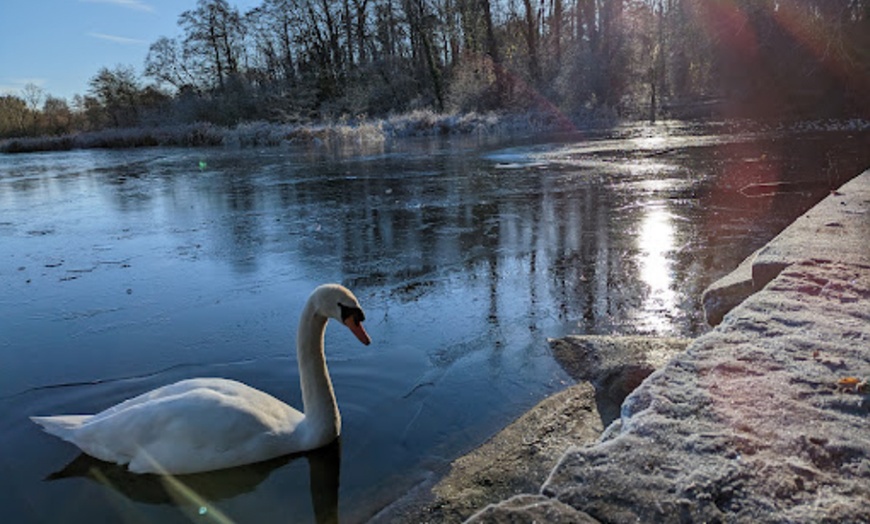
121	271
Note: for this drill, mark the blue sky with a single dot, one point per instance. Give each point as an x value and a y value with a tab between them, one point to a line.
61	44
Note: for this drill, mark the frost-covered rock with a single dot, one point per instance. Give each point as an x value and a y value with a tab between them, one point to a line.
750	424
615	365
523	509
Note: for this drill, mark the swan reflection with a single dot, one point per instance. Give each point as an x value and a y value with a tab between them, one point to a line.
198	493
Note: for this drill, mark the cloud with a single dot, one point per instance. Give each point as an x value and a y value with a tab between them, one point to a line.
118	39
136	5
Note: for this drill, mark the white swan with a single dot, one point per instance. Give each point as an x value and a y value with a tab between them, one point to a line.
204	424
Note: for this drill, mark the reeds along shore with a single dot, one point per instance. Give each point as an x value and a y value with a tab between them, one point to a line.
257	134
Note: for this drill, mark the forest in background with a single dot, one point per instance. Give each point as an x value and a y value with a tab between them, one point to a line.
302	61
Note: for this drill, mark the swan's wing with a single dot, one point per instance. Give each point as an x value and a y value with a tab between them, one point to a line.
65	426
191	426
173	390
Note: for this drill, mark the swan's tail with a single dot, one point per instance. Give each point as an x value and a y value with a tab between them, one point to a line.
62	426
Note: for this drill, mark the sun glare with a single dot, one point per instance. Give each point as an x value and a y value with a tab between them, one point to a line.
655	241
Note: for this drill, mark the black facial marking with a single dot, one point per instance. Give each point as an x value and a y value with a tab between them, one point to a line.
351	311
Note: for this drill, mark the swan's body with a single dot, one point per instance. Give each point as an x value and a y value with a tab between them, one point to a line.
204	424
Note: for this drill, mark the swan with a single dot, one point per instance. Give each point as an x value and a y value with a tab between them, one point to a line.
205	424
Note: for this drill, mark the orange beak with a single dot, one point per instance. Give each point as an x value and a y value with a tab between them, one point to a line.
358	330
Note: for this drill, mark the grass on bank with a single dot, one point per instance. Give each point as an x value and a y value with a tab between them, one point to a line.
259	134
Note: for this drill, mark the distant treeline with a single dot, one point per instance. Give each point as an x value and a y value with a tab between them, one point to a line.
297	61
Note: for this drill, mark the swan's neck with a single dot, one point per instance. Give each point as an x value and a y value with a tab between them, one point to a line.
318	399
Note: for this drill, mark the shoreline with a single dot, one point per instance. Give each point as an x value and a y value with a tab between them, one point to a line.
762	419
362	133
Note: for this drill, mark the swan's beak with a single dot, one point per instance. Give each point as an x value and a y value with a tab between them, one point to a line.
357	329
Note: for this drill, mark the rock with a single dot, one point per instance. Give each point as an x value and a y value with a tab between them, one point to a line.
523	509
517	460
615	365
726	293
747	425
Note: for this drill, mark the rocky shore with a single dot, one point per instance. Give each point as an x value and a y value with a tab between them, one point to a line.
766	418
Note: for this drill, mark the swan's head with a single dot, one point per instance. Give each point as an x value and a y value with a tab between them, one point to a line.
337	302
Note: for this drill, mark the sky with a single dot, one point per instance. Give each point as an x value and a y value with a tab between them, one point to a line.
59	45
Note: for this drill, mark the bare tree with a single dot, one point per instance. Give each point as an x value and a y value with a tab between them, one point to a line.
166	63
214	36
33	95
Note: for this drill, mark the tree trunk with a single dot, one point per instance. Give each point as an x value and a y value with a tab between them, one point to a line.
531	35
557	32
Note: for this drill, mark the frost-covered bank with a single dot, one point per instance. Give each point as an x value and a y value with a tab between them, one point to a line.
266	134
351	133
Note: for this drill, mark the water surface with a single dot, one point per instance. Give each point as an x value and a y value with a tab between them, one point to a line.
121	271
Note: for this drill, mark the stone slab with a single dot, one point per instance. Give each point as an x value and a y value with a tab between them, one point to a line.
728	292
836	229
614	365
750	424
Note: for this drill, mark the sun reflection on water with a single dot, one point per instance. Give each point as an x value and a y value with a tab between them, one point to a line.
655	241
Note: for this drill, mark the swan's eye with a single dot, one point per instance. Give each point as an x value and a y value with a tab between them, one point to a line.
350	311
